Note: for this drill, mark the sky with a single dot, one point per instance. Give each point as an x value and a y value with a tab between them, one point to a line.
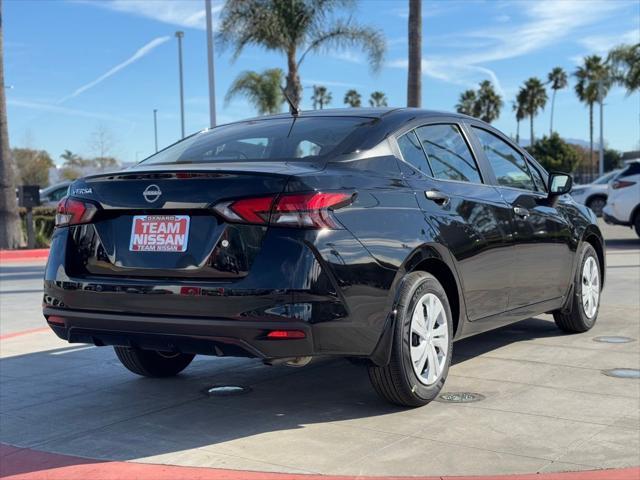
75	67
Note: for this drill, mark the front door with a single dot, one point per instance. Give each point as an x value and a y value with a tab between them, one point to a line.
542	237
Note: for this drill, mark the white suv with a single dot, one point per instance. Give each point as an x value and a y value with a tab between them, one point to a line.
623	199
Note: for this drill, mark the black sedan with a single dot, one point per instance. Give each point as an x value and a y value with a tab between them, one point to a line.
381	235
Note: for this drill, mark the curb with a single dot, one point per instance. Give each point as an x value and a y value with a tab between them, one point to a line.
10	256
26	464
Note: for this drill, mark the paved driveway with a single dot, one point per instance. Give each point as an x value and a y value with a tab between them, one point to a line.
547	405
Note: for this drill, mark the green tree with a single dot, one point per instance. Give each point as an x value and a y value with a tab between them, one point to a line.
321	97
263	90
488	103
33	166
467	103
414	76
518	108
294	26
555	154
558	80
594	78
352	98
378	99
534	98
10	231
625	65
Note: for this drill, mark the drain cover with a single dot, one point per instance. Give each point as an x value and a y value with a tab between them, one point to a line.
613	339
460	397
623	372
226	390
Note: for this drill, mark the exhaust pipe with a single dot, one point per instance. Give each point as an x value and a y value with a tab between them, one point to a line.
289	362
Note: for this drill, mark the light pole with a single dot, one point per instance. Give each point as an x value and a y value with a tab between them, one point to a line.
212	83
601	100
179	36
155	127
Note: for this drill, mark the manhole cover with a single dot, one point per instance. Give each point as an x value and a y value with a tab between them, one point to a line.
226	390
460	397
623	372
613	339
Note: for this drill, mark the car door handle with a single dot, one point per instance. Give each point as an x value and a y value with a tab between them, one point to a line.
437	196
521	212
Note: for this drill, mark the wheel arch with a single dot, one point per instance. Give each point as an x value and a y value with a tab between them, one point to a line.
593	236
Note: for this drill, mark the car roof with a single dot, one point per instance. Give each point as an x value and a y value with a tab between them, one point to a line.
382	112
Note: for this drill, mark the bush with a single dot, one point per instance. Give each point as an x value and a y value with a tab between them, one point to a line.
43	221
555	154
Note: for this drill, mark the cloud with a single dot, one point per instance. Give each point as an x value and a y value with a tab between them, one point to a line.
331	83
180	13
601	44
140	53
52	108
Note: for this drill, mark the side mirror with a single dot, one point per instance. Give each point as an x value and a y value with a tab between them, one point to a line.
559	184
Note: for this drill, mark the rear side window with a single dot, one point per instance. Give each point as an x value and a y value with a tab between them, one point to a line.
507	163
282	139
412	152
448	153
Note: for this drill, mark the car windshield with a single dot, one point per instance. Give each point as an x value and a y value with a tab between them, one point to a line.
282	139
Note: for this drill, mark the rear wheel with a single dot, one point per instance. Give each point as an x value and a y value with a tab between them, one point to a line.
585	303
422	344
636	223
151	363
597	204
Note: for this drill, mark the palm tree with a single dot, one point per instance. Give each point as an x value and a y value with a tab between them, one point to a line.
352	98
625	65
10	234
534	98
558	80
414	78
518	108
467	102
321	97
589	75
488	103
263	90
378	99
291	26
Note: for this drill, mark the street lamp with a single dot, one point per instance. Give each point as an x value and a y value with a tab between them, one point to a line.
601	101
155	127
179	36
212	85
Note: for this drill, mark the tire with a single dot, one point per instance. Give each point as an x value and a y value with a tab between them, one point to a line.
636	224
150	363
597	204
577	319
398	382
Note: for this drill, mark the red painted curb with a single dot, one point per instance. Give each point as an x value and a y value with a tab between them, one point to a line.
23	332
26	464
7	256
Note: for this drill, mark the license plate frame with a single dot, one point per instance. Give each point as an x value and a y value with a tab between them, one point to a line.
159	233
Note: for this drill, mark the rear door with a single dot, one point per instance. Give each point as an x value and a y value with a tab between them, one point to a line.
541	234
469	216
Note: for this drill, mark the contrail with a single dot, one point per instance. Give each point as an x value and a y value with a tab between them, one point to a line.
141	52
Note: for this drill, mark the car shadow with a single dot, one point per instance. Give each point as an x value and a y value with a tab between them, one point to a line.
85	403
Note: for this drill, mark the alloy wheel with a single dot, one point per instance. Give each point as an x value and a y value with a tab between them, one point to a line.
590	287
429	339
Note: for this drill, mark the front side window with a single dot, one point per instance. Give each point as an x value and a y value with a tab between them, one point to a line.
412	152
507	163
448	153
281	139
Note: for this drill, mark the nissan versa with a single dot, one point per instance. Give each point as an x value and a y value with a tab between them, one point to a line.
381	234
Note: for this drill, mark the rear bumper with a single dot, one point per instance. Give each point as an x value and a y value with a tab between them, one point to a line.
183	334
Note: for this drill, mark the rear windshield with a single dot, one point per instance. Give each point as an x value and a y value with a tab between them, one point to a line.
284	139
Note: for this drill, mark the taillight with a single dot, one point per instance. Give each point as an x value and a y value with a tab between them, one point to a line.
621	184
304	210
71	211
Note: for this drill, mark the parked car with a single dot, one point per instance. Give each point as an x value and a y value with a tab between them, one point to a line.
50	196
623	202
594	195
376	234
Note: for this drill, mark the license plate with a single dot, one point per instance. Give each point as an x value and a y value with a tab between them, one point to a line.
159	233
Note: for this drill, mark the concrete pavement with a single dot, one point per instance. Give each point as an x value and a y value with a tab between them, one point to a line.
548	407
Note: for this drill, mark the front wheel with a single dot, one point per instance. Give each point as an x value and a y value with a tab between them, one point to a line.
597	204
151	363
422	344
583	310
